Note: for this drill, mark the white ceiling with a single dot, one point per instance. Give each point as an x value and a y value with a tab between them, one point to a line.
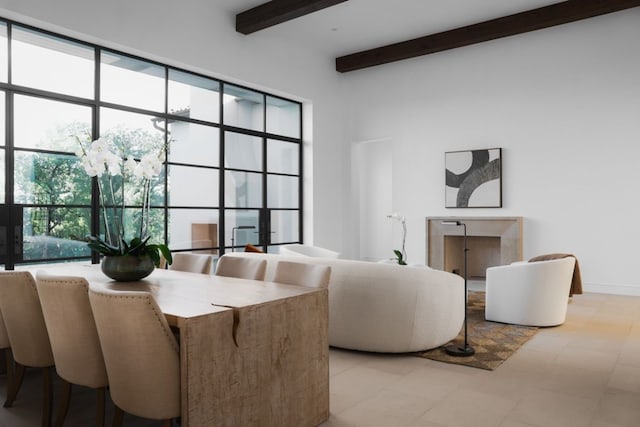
357	25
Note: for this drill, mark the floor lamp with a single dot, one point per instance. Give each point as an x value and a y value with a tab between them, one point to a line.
233	234
466	349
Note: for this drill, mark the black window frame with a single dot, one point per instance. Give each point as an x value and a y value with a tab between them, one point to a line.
9	221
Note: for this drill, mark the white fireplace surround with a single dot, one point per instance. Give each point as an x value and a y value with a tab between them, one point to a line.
491	241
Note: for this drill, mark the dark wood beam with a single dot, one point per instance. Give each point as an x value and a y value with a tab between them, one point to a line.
531	20
276	12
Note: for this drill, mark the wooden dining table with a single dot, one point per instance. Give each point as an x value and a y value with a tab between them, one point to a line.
252	353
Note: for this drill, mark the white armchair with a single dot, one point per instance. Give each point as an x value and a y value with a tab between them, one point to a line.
529	293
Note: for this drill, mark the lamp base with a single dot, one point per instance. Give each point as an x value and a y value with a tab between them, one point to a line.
460	350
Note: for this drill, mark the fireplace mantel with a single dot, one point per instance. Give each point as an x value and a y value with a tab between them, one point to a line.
507	229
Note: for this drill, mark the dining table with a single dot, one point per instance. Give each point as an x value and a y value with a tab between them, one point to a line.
252	353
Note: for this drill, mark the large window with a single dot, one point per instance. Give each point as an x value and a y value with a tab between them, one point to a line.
232	172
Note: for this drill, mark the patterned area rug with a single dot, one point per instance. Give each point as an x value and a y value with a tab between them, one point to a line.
493	342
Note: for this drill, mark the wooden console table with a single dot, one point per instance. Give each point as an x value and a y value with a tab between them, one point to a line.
276	375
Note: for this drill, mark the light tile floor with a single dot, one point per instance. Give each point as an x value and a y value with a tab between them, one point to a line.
583	373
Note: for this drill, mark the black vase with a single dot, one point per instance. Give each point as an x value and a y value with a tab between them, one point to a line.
127	268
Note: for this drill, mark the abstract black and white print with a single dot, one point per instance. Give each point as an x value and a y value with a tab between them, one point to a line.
473	179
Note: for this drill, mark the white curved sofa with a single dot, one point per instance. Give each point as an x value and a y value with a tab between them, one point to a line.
529	293
386	308
297	249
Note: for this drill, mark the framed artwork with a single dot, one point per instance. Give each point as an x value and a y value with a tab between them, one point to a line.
473	179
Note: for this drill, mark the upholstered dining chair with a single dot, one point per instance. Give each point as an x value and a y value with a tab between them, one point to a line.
74	338
140	353
5	349
22	314
243	268
301	274
194	263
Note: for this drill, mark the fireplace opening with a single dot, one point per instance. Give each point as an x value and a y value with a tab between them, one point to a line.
484	252
492	241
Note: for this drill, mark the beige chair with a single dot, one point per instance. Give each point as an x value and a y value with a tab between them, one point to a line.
297	273
22	314
74	339
5	349
140	352
529	293
243	268
194	263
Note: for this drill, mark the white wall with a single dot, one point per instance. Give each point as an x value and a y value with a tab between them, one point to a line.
201	39
563	103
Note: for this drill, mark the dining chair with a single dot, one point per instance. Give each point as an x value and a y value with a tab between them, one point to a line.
242	268
5	349
140	353
302	274
194	263
22	314
74	339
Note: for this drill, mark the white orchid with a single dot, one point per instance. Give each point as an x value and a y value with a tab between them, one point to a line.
149	167
90	168
99	158
130	165
114	164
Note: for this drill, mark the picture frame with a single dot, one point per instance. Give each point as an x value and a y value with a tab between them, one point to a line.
473	178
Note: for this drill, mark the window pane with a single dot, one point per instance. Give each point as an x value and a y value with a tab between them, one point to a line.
194	144
284	226
3	172
2	144
55	233
193	229
243	108
282	191
283	117
283	157
48	179
239	237
242	151
242	189
44	62
2	118
4	53
56	124
131	82
193	96
156	225
136	134
193	186
131	221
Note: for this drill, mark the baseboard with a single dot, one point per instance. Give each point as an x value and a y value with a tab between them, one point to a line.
630	290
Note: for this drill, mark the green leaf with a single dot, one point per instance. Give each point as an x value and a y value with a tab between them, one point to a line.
166	253
97	244
399	257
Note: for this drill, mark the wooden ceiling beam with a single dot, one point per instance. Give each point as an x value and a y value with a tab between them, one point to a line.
276	12
531	20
